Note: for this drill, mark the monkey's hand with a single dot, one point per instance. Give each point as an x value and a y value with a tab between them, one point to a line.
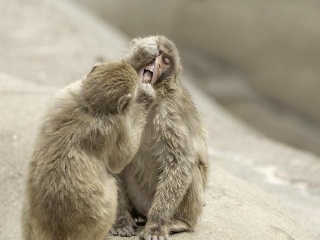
124	226
147	48
142	52
154	232
146	94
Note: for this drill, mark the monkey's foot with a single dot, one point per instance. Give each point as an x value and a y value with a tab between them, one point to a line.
155	232
123	232
177	226
124	226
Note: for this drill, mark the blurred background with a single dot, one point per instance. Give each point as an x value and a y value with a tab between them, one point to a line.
259	59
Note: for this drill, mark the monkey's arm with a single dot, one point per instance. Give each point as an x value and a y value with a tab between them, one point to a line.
139	112
129	129
124	224
141	53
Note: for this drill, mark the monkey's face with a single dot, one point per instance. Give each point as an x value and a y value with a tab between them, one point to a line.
156	69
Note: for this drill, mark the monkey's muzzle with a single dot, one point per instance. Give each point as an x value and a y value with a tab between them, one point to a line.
151	72
147	73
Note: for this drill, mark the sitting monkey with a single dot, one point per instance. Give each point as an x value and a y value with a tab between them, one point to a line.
165	180
94	124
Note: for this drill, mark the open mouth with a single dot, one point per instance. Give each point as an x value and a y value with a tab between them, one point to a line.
147	76
149	73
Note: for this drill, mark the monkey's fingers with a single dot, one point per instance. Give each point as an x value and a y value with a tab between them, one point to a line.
154	233
123	232
113	232
153	238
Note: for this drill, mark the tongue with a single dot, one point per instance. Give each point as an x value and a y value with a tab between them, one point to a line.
147	77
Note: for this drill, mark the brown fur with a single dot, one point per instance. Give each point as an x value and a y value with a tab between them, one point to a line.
93	125
166	178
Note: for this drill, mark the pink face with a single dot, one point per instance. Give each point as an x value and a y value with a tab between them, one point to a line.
152	72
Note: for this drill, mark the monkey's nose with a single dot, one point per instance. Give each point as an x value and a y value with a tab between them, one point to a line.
151	66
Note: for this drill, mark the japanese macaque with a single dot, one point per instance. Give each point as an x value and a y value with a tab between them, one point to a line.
166	179
92	130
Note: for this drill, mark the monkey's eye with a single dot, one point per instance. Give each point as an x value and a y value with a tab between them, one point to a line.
167	60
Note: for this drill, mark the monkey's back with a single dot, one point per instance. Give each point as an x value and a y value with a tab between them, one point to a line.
70	195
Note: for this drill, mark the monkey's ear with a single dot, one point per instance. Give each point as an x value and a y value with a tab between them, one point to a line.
123	102
94	67
134	41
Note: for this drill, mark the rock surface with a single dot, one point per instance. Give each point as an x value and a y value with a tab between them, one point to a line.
53	43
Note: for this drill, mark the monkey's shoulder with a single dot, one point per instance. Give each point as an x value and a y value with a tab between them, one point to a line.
179	106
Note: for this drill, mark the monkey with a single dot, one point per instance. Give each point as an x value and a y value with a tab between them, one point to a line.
166	179
91	131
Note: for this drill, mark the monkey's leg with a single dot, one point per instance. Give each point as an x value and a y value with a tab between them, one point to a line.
172	186
124	225
190	208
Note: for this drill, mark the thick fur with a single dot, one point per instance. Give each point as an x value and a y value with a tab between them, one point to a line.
91	131
166	178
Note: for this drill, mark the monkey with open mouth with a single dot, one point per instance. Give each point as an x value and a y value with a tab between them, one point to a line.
166	178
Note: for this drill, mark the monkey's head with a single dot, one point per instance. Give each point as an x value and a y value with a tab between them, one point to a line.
110	88
166	64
